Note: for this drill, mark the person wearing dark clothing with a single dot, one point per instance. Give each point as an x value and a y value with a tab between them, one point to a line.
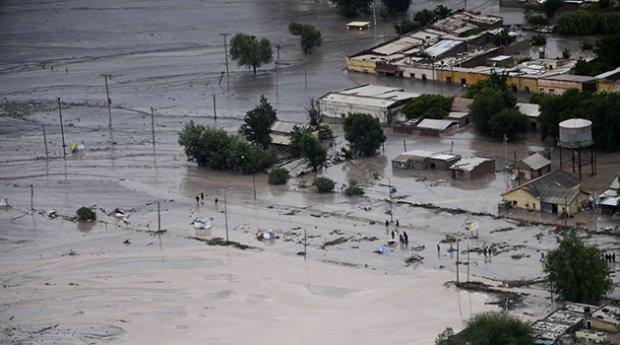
401	239
197	199
387	223
613	257
406	237
392	234
216	201
397	224
438	248
202	196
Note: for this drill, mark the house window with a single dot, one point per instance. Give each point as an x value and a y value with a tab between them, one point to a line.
551	91
542	90
463	82
449	80
526	89
424	77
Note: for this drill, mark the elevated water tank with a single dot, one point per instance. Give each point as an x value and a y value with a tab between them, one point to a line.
575	133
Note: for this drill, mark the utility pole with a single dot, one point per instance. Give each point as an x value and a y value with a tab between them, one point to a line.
457	261
226	214
254	185
62	130
45	142
214	111
108	99
405	145
305	244
468	262
374	16
31	199
278	57
153	129
226	54
390	189
158	218
505	150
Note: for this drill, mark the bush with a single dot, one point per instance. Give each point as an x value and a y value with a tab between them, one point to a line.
85	214
278	176
588	23
428	106
324	184
537	20
353	189
538	40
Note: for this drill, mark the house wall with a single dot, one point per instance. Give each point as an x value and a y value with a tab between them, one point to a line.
457	76
483	169
418	72
604	85
359	65
522	199
557	87
523	84
602	325
338	110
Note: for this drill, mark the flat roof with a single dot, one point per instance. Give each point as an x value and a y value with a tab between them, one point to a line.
468	164
358	24
457	115
571	77
285	126
529	109
399	45
500	58
536	161
435	124
608	314
445	157
442	47
369	90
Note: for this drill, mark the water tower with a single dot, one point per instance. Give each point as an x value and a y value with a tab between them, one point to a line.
576	138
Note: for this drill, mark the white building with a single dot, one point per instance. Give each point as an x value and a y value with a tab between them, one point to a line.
382	102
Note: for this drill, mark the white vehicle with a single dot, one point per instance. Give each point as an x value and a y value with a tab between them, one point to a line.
202	223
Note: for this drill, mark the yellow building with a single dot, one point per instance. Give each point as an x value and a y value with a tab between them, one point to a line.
556	192
558	84
606	318
363	63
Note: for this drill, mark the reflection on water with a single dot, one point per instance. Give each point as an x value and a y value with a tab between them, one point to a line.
85	227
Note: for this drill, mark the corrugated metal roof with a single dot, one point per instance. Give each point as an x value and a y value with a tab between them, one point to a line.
434	124
442	47
555	187
536	161
280	139
469	164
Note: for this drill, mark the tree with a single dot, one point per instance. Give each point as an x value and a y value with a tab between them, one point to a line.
503	38
249	52
496	328
314	115
507	122
85	214
550	7
406	25
324	184
442	338
363	132
396	6
353	189
428	106
257	123
488	102
577	272
312	150
296	134
278	176
352	8
442	12
424	17
216	149
310	36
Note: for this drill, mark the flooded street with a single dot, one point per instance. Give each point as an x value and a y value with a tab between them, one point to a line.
116	281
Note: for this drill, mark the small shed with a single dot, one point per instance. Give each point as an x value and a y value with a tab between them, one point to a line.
532	167
443	161
414	159
472	168
434	127
462	118
532	112
358	25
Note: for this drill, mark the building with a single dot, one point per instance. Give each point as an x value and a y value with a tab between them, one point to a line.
605	318
472	167
420	160
435	127
281	132
382	102
560	324
558	84
556	192
462	119
532	112
610	199
608	81
532	167
358	25
461	104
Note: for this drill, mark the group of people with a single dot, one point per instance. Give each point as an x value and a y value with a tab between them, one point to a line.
610	257
403	238
200	198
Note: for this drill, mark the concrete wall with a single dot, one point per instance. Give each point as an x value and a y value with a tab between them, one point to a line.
366	66
457	77
557	87
339	110
520	198
523	84
602	325
418	73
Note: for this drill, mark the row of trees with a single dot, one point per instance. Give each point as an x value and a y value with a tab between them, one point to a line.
421	18
600	108
353	8
588	23
428	106
606	50
493	109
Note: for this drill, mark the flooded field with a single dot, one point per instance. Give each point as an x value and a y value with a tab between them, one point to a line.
117	281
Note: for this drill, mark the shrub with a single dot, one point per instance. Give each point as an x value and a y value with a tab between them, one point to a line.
278	176
85	214
324	184
537	20
353	189
538	40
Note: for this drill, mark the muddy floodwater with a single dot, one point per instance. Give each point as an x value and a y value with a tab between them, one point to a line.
140	280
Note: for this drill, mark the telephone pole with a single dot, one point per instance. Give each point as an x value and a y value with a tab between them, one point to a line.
153	129
226	214
45	142
62	130
214	111
226	54
108	99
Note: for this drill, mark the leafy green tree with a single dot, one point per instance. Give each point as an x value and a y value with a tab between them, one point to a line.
588	23
364	133
396	6
278	176
488	102
424	17
353	8
324	184
314	115
312	150
214	148
496	81
86	214
442	338
550	7
538	40
296	134
353	189
576	272
326	133
257	123
250	52
507	122
406	25
496	328
442	12
428	106
503	38
310	36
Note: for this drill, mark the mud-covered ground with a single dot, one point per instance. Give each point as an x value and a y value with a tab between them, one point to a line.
117	281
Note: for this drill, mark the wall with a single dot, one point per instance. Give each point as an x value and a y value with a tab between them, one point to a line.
523	84
417	72
601	325
557	87
522	198
339	110
483	169
366	66
470	77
